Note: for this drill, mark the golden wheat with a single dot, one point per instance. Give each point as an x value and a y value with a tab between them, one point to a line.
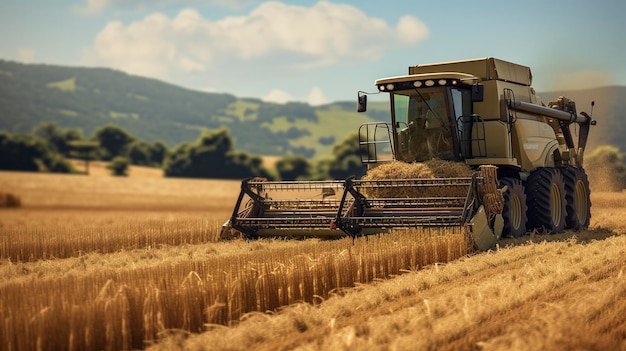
133	305
140	265
422	170
541	295
60	236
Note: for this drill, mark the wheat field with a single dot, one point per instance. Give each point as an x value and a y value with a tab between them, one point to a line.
98	262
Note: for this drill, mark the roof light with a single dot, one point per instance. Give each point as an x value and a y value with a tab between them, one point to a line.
389	86
417	84
442	82
429	83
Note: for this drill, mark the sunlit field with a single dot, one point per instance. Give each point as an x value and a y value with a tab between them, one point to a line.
101	262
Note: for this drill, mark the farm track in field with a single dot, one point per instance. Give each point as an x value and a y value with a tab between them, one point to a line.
564	293
559	295
386	308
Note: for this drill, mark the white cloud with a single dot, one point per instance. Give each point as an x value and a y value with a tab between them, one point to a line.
316	97
93	7
155	47
281	35
277	96
26	55
411	30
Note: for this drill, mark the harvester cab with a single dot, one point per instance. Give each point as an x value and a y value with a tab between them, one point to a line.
427	117
483	113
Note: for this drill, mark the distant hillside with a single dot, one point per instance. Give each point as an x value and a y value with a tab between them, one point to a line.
611	127
89	98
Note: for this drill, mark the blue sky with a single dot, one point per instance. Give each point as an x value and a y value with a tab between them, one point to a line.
317	51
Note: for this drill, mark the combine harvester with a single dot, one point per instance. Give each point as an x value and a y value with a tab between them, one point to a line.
527	168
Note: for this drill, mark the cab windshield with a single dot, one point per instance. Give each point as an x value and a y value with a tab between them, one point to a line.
426	122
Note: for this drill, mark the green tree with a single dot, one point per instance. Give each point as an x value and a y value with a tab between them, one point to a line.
245	165
346	161
218	141
68	136
119	166
47	131
56	163
321	169
177	163
23	152
158	151
606	169
211	156
84	150
293	167
139	153
113	140
59	139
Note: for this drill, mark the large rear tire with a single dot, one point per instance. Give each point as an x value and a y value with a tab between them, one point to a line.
514	211
545	197
578	198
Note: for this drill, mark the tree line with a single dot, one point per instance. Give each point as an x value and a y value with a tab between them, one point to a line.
49	147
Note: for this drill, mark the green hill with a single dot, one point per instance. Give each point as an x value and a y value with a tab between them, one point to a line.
88	98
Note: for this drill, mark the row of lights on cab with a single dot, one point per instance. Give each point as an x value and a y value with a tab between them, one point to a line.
418	84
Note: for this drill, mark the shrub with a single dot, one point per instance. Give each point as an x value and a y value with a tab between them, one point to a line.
119	166
9	200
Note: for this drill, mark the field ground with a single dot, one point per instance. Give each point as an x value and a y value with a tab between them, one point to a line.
561	295
98	168
104	236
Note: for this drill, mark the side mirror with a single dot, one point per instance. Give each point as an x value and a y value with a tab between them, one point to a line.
478	92
361	103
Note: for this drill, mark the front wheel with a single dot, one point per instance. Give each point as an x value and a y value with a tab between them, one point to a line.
514	211
545	196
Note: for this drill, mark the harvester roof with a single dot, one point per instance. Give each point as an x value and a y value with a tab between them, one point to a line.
428	79
484	68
